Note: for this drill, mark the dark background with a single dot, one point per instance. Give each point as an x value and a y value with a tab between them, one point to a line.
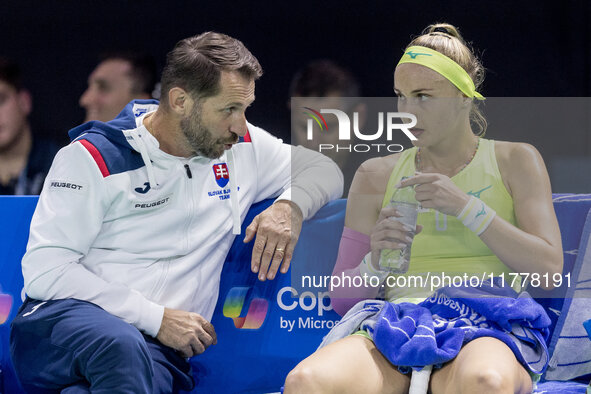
530	48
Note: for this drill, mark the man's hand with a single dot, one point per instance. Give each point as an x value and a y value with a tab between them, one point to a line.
277	230
186	332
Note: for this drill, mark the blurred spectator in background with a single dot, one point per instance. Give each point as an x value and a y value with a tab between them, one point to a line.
24	158
324	84
118	79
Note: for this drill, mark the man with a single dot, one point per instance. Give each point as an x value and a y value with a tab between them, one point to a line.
118	79
139	217
24	160
325	84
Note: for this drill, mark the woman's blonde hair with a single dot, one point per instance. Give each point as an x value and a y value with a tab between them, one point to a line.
447	40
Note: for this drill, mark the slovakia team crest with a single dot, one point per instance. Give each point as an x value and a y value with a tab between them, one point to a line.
222	177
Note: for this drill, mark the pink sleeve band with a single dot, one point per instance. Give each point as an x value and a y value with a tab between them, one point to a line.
353	247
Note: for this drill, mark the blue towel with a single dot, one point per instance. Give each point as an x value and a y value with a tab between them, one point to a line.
434	331
570	345
553	387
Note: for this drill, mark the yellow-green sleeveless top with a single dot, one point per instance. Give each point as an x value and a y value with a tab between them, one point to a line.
445	244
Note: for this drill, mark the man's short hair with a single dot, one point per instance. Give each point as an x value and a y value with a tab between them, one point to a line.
195	64
143	70
10	73
322	77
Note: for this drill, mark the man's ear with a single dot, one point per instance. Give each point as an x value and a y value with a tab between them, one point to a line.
179	101
25	102
361	109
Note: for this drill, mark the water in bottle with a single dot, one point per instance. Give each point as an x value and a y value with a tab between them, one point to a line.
403	200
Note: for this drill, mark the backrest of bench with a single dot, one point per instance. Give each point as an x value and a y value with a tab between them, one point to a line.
264	328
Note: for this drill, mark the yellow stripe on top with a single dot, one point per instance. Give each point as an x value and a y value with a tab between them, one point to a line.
445	244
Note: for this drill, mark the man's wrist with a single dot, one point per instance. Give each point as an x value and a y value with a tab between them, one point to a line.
295	207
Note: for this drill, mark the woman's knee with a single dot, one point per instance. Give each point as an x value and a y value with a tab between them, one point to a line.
351	365
485	365
486	380
304	379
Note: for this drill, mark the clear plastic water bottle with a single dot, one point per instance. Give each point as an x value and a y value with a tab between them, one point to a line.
403	200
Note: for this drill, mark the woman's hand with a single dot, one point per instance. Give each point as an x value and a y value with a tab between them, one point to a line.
389	233
437	191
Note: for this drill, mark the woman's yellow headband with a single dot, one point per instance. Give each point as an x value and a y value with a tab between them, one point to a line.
443	65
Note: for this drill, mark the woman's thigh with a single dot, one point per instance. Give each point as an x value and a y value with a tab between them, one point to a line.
350	365
484	365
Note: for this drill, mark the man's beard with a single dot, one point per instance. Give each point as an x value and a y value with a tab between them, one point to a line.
201	139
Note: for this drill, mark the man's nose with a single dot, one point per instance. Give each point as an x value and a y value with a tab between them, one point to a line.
239	125
87	97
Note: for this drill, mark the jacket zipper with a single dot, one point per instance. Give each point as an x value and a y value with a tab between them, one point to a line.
191	204
188	171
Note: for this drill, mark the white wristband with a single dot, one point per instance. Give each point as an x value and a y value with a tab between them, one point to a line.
476	215
365	268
